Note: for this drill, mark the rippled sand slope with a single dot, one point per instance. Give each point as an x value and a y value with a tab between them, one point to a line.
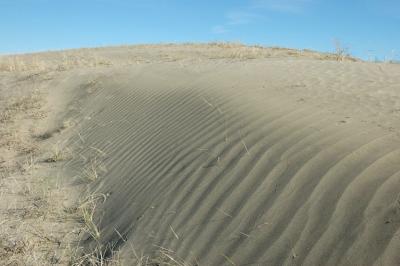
270	161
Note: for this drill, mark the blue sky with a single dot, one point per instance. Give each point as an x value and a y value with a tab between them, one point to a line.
370	28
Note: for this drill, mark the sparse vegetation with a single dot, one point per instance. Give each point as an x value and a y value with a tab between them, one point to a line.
87	209
33	231
58	153
72	59
55	61
90	172
341	52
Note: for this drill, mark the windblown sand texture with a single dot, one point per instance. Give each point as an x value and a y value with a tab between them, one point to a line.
264	160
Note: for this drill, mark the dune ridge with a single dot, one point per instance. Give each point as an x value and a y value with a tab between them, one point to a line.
260	162
223	154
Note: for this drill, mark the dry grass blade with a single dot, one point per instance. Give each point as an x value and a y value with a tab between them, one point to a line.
87	211
173	231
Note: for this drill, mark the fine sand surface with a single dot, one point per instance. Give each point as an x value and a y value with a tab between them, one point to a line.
228	155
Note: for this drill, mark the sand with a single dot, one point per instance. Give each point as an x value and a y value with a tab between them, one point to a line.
267	158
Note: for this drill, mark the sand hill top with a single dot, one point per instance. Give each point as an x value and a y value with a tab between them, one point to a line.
201	154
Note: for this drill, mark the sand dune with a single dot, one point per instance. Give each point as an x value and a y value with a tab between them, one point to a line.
270	161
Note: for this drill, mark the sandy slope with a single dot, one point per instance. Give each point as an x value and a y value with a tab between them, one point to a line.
279	160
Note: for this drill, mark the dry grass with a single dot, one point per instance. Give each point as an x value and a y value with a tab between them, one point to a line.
87	210
33	228
20	105
59	61
98	254
107	254
341	52
17	141
128	55
59	153
12	138
90	172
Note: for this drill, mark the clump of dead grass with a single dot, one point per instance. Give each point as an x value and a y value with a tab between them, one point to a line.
59	153
341	51
90	173
94	167
87	211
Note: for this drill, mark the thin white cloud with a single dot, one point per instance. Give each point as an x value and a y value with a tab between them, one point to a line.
234	18
240	17
286	6
219	29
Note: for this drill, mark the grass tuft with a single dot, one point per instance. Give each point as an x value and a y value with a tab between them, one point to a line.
58	154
